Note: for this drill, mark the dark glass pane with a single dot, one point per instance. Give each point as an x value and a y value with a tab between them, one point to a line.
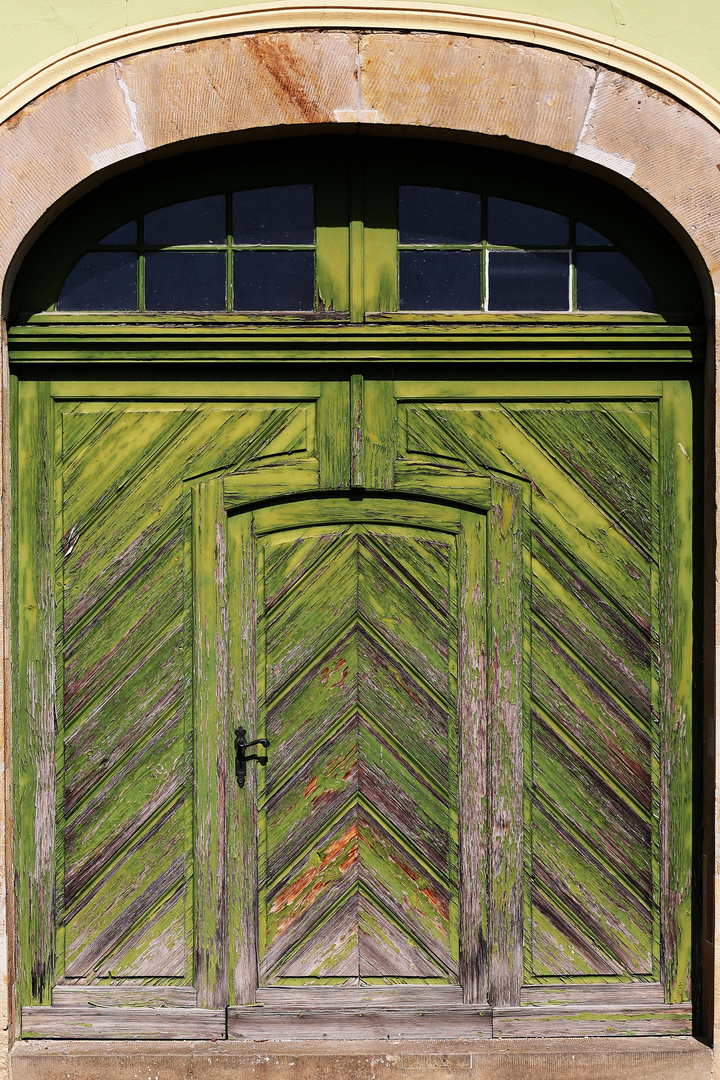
519	225
440	281
430	215
609	281
528	281
101	281
126	234
274	215
198	221
585	235
185	281
274	280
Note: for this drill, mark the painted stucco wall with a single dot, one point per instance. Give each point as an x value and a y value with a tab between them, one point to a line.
686	34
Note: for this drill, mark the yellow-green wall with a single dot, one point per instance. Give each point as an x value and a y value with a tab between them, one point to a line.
685	32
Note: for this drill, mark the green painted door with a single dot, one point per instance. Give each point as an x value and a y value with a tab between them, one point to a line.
358	803
474	672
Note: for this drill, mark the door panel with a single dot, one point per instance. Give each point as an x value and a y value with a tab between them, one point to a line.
593	542
126	875
358	833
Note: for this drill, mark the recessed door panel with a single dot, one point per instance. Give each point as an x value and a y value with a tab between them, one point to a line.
357	806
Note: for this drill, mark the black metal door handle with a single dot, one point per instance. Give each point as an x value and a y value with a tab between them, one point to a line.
241	759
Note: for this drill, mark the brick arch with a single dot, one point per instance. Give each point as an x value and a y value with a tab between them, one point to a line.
592	116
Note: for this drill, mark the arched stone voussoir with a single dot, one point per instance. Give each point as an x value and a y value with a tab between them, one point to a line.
533	96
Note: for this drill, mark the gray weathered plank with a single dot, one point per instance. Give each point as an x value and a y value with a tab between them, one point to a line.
610	993
472	754
561	1021
344	996
45	1022
211	744
166	997
443	1022
34	699
676	686
505	773
242	802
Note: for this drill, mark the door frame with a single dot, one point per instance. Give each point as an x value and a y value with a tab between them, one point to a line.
490	839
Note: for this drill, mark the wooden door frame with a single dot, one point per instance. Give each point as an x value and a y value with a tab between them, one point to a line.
490	841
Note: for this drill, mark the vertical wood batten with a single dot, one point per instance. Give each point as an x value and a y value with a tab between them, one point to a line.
472	716
676	690
242	802
505	744
210	662
357	472
379	449
35	726
34	720
332	435
8	472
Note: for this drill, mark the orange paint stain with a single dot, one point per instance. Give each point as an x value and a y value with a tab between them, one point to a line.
351	859
339	845
297	911
295	889
405	868
302	891
437	902
339	665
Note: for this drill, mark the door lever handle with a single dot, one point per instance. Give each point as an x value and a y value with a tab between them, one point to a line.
241	760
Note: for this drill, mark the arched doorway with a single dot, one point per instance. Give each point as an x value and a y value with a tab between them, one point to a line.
447	388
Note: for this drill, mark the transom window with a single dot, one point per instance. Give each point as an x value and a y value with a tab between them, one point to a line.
355	237
245	251
460	251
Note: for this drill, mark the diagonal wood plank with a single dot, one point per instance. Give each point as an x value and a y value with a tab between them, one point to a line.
357	839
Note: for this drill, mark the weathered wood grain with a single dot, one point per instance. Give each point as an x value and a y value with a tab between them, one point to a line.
590	994
127	893
122	1023
599	454
565	1021
581	613
34	696
212	741
379	434
332	436
358	871
436	480
269	480
675	677
167	997
342	996
357	431
505	734
473	754
439	1022
487	437
242	802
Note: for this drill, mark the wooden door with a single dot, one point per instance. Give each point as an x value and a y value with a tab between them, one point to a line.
357	693
359	605
461	612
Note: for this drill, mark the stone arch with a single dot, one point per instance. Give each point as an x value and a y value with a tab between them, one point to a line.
545	101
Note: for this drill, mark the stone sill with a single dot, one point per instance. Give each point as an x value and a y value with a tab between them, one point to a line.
652	1058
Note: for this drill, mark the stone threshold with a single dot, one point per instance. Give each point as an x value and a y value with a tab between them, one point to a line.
650	1058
